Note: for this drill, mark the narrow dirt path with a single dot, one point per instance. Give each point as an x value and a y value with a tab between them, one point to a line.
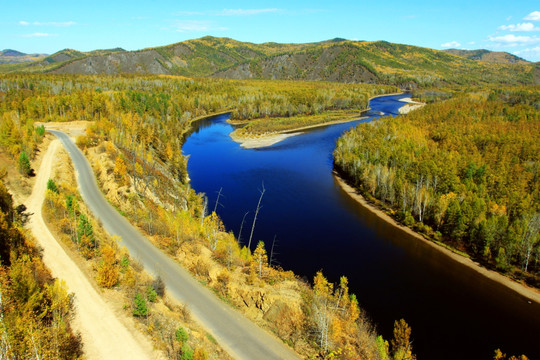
104	335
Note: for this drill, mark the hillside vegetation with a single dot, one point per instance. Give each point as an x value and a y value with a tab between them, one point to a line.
488	56
335	60
464	171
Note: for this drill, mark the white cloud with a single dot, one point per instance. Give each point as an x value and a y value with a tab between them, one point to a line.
471	42
246	12
451	44
531	54
513	40
534	16
196	26
520	27
51	23
38	34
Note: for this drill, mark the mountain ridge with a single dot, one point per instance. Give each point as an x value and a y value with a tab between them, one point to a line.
336	59
501	57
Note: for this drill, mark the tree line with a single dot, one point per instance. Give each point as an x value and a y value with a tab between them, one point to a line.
464	171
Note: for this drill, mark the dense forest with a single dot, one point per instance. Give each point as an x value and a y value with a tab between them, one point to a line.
137	128
35	309
153	113
464	171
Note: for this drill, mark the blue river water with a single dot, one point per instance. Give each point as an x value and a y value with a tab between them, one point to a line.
454	312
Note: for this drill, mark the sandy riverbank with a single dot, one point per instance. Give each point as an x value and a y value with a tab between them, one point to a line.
263	140
410	106
531	293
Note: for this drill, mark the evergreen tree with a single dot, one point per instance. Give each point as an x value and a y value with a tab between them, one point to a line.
24	165
140	306
51	185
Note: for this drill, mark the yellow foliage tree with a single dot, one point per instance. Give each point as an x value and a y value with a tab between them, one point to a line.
108	272
120	168
260	259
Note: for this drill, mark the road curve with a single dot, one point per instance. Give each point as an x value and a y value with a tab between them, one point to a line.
237	335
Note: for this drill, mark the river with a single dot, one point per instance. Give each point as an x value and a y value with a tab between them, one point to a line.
454	312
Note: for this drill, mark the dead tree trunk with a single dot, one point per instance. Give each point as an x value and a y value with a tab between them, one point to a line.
255	218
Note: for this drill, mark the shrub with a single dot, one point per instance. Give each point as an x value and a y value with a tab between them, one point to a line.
40	130
187	352
140	308
181	335
151	294
51	185
159	286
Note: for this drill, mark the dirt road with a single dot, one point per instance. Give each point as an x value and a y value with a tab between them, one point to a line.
104	335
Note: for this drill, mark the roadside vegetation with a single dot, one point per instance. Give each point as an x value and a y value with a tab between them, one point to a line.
123	281
35	309
462	171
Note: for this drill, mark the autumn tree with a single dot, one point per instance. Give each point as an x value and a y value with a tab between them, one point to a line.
108	272
260	259
321	308
401	343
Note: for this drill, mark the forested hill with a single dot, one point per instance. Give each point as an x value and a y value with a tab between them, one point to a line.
334	60
488	56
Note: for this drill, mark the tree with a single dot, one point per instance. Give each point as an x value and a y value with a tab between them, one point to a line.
255	217
51	185
140	308
181	335
24	165
108	272
85	237
213	226
260	258
151	293
401	344
120	168
321	309
530	237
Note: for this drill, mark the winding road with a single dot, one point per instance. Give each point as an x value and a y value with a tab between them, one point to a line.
237	335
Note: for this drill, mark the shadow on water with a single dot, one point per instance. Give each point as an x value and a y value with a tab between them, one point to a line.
455	313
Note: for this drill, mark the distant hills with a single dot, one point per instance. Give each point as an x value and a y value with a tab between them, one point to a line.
333	60
9	56
488	56
13	60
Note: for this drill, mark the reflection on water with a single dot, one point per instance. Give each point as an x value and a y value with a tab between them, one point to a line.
455	313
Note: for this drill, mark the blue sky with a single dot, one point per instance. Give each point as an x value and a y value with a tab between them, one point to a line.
49	26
